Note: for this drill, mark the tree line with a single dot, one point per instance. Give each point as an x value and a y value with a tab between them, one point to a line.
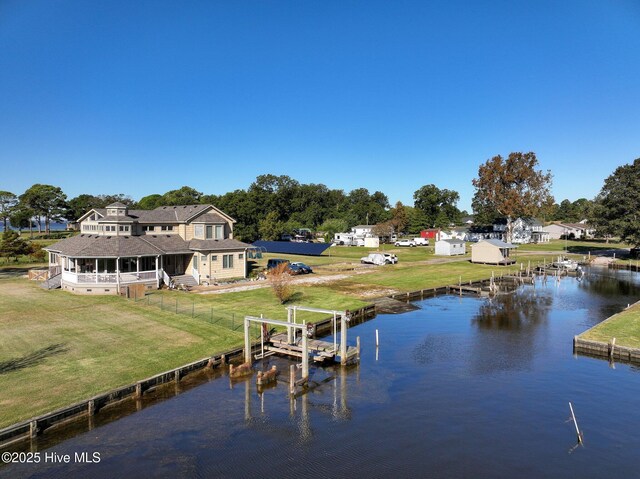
504	188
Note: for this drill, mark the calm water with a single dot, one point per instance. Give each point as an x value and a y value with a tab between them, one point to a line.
462	387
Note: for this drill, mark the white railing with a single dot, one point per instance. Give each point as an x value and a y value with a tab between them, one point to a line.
165	277
109	278
196	275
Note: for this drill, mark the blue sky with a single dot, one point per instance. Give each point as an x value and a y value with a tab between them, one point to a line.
143	97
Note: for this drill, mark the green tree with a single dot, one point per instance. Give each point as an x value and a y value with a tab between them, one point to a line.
8	201
512	188
617	208
365	208
399	219
47	201
149	202
417	220
270	228
438	206
22	217
183	196
12	245
79	205
332	226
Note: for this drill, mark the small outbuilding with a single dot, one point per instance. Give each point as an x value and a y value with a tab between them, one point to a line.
450	247
492	251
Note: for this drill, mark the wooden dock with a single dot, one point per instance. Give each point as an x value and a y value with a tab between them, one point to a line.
320	351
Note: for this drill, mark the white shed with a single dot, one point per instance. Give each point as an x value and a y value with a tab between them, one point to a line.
450	247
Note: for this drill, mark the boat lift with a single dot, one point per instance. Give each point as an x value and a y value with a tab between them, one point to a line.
344	319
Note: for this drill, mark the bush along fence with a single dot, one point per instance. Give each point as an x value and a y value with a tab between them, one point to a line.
187	306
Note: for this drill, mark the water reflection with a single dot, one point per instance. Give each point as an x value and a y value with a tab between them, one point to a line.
314	398
506	326
523	310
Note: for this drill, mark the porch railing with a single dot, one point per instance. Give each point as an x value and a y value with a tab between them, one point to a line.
108	278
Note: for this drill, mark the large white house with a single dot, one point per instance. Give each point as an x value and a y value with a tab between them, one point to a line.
117	247
580	230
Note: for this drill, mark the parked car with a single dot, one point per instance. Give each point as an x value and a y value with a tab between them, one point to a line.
405	242
273	262
421	241
300	268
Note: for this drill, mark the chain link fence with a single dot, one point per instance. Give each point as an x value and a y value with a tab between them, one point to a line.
189	307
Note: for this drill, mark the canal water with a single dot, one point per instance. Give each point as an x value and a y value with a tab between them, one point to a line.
462	387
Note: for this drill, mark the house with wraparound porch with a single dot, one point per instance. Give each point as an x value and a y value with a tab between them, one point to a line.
118	247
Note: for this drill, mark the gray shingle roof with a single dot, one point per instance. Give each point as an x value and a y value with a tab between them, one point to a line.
213	245
95	246
167	243
117	204
210	217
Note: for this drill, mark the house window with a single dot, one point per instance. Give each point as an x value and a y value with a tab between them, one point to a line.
240	256
167	228
124	228
149	228
203	258
227	261
195	261
198	231
219	232
214	257
209	232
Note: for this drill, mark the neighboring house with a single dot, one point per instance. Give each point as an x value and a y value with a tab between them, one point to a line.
457	233
361	231
356	237
117	247
479	233
523	230
450	247
492	251
558	230
467	220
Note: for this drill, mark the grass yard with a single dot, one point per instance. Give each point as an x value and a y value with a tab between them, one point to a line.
625	327
58	348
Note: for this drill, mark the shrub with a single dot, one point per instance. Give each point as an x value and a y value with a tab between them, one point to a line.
280	281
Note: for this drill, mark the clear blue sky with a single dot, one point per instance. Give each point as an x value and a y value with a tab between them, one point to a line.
142	97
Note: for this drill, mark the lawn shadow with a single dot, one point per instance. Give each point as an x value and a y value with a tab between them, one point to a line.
295	297
32	359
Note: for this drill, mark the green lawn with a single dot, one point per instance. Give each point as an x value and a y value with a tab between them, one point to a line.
625	327
58	348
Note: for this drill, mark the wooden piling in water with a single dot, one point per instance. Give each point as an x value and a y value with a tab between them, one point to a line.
267	377
239	371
